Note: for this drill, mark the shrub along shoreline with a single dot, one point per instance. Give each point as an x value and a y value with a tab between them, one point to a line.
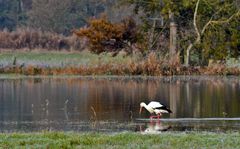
85	63
26	38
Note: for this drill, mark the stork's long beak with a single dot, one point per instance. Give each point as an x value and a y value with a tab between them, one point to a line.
140	110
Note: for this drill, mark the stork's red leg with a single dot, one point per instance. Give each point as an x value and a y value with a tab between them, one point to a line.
151	117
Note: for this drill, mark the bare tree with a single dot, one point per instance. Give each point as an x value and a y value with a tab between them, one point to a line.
50	15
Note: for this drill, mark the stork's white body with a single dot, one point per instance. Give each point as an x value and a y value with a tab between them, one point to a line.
155	107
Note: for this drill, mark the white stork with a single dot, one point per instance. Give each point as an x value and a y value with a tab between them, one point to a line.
155	107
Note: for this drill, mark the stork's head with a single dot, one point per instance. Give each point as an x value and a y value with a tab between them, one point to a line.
142	104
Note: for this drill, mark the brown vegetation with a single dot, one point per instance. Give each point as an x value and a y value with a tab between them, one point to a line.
131	68
36	39
221	69
105	36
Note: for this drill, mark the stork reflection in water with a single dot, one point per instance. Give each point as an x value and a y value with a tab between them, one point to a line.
154	128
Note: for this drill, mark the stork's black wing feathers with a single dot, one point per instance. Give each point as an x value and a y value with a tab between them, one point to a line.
164	108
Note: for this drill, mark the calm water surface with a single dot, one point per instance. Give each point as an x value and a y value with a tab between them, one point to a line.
111	104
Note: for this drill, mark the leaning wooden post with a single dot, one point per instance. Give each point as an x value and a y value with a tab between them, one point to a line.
173	39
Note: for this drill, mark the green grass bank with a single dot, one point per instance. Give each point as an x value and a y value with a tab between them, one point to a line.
167	140
86	63
60	59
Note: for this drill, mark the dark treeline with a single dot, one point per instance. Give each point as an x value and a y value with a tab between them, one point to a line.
60	16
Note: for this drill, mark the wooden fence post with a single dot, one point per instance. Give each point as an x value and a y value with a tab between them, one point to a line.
173	39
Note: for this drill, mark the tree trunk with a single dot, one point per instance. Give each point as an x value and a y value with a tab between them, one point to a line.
20	6
187	54
189	48
150	44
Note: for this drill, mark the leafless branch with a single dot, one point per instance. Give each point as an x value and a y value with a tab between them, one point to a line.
195	22
226	20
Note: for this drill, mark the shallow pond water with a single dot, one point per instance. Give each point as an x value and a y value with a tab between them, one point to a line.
111	104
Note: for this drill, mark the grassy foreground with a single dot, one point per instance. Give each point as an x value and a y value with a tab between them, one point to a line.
121	140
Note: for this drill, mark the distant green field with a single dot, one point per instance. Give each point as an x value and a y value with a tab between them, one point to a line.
59	59
120	140
86	63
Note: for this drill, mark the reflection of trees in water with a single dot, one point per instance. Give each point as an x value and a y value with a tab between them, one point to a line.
174	93
118	98
210	98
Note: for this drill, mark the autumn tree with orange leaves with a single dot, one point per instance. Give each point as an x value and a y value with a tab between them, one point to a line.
106	36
